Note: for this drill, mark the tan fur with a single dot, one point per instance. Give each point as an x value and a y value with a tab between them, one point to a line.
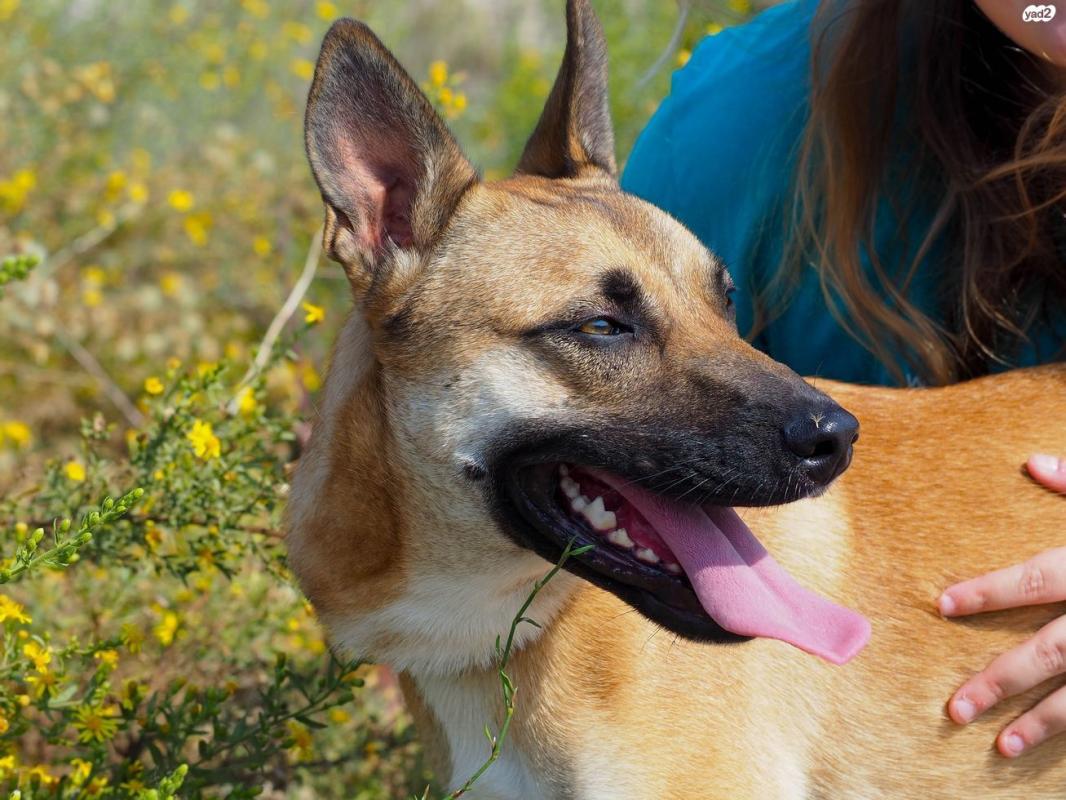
396	545
936	494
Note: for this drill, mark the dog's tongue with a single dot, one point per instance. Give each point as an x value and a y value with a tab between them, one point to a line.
740	585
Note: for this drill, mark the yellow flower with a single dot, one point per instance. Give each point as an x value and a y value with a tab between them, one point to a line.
257	8
92	298
7	8
74	471
12	611
170	283
296	31
683	55
132	637
178	14
339	716
43	683
310	377
138	192
153	385
95	722
197	226
181	200
5	726
167	628
107	658
438	74
302	68
13	192
81	772
96	786
231	76
246	401
203	440
713	29
302	743
262	246
315	314
96	77
740	6
7	766
210	81
42	774
40	656
94	275
17	432
325	10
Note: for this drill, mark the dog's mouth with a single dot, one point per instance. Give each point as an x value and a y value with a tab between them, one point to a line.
696	570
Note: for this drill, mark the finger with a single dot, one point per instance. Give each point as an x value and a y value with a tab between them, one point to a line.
1048	470
1012	673
1046	719
1041	579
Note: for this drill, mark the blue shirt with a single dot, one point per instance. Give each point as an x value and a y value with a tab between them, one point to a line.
720	156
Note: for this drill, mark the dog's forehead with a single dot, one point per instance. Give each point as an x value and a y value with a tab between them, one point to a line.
566	235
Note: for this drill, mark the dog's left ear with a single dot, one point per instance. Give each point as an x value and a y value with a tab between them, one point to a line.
390	172
574	135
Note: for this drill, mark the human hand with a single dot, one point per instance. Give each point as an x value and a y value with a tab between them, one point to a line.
1049	471
1040	580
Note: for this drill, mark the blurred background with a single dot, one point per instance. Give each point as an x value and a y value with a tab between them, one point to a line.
151	159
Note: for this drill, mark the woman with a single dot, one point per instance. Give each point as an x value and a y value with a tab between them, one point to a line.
886	180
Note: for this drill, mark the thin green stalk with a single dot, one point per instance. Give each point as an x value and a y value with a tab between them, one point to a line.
503	657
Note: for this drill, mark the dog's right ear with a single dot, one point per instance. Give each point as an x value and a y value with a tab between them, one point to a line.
390	172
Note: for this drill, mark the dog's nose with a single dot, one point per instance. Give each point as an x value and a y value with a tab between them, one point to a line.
823	440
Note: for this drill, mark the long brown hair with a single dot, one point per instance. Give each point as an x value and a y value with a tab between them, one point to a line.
920	99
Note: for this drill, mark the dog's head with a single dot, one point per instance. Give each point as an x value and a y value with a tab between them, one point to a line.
520	349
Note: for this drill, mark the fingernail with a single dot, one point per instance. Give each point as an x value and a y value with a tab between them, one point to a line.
965	710
946	604
1045	463
1013	744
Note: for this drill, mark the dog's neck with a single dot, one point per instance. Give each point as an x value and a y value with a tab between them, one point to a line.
399	585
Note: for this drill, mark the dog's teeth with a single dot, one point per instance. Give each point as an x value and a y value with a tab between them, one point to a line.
570	487
620	538
673	569
578	503
606	522
599	517
647	555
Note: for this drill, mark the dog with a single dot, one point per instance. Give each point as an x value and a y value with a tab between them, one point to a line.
547	360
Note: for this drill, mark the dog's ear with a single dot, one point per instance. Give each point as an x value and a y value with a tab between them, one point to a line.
574	134
390	172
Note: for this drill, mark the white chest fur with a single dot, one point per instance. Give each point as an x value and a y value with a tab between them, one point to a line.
463	707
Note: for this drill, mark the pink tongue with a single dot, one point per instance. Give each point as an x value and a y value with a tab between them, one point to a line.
740	585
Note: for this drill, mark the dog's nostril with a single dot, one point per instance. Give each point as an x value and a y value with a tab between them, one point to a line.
823	441
824	448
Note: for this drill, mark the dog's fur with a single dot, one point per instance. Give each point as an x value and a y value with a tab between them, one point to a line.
454	367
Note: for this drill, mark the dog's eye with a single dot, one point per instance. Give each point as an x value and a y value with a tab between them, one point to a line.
602	326
729	292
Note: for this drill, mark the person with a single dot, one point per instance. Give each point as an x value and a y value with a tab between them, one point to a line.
886	181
